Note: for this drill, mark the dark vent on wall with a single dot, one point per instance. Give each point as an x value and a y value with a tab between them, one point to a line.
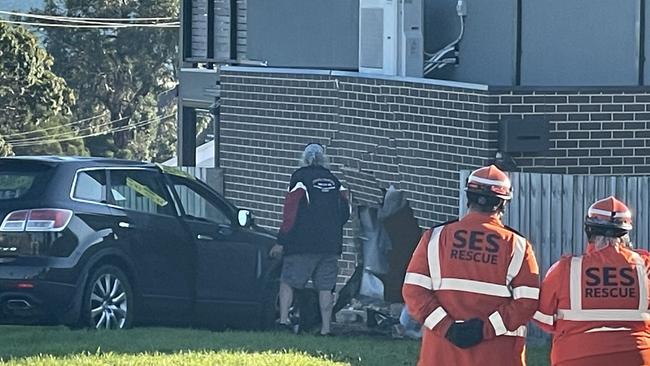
529	134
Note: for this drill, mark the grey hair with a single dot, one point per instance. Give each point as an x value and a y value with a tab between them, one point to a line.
601	241
314	154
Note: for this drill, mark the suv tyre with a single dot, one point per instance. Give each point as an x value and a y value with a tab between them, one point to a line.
108	299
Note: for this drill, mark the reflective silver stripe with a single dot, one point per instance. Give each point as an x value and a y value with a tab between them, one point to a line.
497	323
433	254
418	280
473	178
519	251
577	313
607	329
349	197
544	318
603	315
522	331
500	328
298	186
642	275
575	283
525	292
595	211
435	317
476	287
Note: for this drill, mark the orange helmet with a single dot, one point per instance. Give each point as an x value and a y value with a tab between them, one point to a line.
608	217
489	181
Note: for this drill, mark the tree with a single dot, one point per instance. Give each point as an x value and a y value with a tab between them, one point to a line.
120	71
156	142
35	103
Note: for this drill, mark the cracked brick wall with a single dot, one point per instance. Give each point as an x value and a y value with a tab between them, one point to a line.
414	135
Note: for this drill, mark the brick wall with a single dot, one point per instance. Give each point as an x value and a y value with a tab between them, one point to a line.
414	134
593	131
378	132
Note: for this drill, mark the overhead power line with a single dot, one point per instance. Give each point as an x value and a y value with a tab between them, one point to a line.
65	133
31	139
92	26
55	127
85	19
118	129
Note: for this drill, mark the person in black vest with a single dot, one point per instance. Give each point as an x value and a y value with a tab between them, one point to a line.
310	238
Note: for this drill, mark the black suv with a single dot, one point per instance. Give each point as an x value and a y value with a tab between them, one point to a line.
109	243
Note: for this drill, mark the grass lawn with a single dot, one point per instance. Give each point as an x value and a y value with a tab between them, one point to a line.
179	359
50	346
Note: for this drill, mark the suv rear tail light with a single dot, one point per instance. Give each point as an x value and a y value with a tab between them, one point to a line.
15	221
42	219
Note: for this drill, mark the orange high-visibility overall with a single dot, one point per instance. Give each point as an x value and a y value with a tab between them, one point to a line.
596	306
473	268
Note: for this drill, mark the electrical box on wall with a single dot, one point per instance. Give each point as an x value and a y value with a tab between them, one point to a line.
529	134
411	42
378	36
390	37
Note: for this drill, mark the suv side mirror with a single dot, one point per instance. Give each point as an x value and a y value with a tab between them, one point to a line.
245	218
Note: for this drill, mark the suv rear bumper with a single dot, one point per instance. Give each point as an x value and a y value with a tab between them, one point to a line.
44	303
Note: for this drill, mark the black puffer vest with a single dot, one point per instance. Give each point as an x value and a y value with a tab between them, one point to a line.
321	215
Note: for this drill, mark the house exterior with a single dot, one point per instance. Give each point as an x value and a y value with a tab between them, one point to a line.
552	87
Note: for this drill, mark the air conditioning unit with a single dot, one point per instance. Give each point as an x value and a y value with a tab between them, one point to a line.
390	37
411	42
378	36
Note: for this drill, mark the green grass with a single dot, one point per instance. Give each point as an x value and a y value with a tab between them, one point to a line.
222	358
537	356
171	346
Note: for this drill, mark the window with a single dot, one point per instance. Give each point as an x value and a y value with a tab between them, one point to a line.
140	190
198	203
91	186
14	185
23	180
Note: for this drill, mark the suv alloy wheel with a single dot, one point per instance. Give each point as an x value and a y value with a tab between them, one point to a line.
108	302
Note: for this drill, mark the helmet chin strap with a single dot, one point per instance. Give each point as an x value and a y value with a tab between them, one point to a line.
606	232
483	204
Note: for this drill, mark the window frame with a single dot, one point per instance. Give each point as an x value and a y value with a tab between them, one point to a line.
109	194
200	187
113	202
105	193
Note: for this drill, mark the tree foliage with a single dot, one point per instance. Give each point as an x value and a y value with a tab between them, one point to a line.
35	103
121	72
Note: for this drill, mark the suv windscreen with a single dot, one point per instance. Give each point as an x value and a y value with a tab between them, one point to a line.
22	180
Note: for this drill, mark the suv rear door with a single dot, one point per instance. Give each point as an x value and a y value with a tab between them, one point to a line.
163	252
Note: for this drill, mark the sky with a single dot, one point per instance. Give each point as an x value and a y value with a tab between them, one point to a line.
22	5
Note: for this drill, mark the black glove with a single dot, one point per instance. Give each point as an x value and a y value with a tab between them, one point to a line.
466	334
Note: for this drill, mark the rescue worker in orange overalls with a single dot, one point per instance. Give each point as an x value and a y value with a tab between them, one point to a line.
596	304
474	283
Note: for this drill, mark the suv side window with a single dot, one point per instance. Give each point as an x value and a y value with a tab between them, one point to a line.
140	190
91	186
197	203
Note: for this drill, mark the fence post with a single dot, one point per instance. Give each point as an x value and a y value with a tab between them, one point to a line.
462	199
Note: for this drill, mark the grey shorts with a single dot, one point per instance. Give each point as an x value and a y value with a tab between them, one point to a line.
321	268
